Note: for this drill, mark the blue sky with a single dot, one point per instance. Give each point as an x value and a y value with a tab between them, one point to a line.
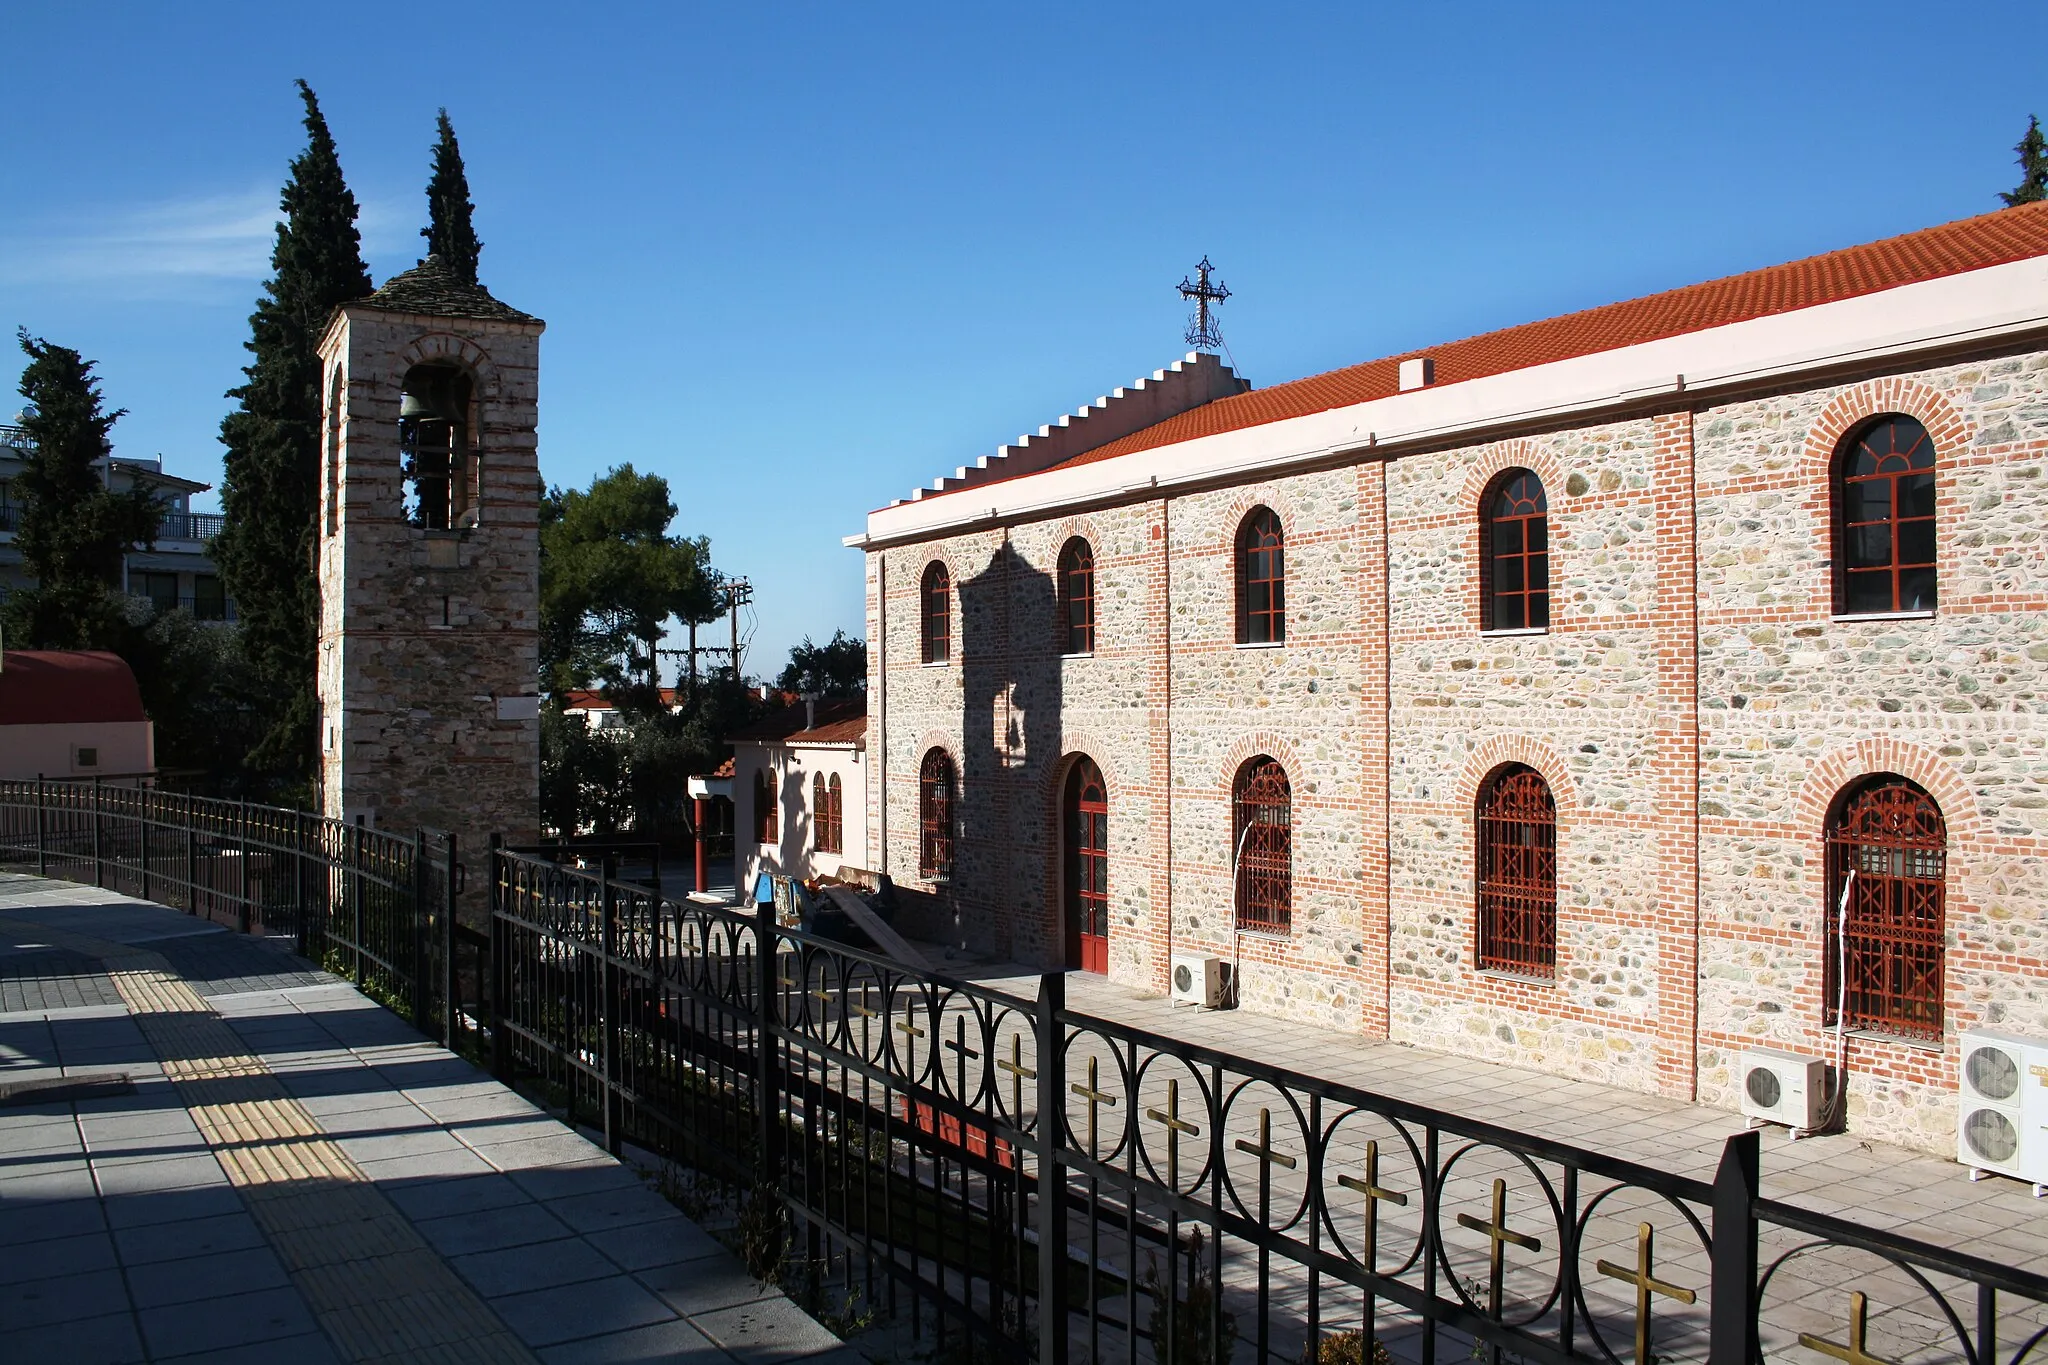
799	259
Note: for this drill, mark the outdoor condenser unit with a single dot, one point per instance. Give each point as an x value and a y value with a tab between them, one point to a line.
2002	1105
1201	979
1783	1087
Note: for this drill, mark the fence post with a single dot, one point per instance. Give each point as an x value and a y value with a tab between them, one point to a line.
501	973
613	1138
451	976
355	896
99	862
244	914
420	974
1052	1171
142	804
1731	1326
42	834
191	869
767	1075
301	874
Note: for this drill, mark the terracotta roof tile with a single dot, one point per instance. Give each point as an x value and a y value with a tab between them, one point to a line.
1950	249
58	687
836	722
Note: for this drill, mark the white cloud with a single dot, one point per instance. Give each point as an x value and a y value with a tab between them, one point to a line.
169	246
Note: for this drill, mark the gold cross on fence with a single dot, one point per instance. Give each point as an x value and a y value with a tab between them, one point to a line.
1370	1188
1095	1099
1175	1126
1263	1148
1019	1073
1646	1284
911	1033
1498	1234
1853	1353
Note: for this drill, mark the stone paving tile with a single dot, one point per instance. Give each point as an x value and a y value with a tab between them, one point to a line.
553	1243
766	1332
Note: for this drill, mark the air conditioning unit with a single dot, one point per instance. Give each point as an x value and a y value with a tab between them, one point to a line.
2003	1107
1200	979
1784	1087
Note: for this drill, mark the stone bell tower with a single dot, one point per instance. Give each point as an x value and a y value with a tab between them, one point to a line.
429	562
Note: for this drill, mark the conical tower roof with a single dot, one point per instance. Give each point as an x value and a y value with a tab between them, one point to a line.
430	288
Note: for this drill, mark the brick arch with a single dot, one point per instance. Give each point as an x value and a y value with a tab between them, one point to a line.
1490	461
1840	767
1492	753
1948	427
1259	495
1250	745
1077	744
1060	532
443	347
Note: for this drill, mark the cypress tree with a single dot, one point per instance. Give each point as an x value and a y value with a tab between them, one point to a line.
448	231
74	529
2033	159
270	492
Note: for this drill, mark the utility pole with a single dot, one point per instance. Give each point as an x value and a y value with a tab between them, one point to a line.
739	593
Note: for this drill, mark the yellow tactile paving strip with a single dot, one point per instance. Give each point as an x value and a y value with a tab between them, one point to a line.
376	1288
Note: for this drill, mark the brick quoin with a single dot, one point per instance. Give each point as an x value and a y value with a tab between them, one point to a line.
1695	705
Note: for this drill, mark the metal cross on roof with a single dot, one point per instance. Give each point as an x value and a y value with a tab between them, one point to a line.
1203	334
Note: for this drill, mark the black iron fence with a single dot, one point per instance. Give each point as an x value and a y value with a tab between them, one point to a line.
371	905
1013	1179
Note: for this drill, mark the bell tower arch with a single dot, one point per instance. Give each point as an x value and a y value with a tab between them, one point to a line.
428	547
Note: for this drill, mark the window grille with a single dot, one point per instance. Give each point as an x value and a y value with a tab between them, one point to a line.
935	787
1890	833
1261	579
1517	864
1884	519
937	598
1514	558
766	826
1077	598
1262	831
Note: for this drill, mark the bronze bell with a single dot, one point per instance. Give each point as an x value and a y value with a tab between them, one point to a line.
433	393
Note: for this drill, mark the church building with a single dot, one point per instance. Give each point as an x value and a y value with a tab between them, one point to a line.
1606	695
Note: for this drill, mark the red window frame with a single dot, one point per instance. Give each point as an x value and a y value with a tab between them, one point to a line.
1890	832
1885	519
1262	834
1517	874
825	828
936	596
1077	597
1087	849
1261	579
767	825
1514	553
936	790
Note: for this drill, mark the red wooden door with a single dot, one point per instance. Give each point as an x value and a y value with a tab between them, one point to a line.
1086	812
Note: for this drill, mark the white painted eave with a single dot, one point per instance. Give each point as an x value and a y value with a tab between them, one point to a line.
1975	307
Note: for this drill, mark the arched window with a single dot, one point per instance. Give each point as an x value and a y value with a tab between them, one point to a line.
1261	579
827	828
766	826
1262	833
1077	598
1517	873
935	791
1884	519
1888	850
435	448
936	598
1086	810
1514	553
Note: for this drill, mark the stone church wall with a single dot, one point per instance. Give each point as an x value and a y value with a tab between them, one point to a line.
1694	705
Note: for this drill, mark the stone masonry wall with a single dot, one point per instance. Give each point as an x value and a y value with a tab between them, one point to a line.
1695	706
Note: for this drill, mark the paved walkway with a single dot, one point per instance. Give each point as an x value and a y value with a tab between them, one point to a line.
289	1172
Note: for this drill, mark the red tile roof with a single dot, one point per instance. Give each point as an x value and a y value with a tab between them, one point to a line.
1969	244
837	722
66	687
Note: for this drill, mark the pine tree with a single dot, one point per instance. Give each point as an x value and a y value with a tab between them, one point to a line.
2033	159
74	529
448	231
270	492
